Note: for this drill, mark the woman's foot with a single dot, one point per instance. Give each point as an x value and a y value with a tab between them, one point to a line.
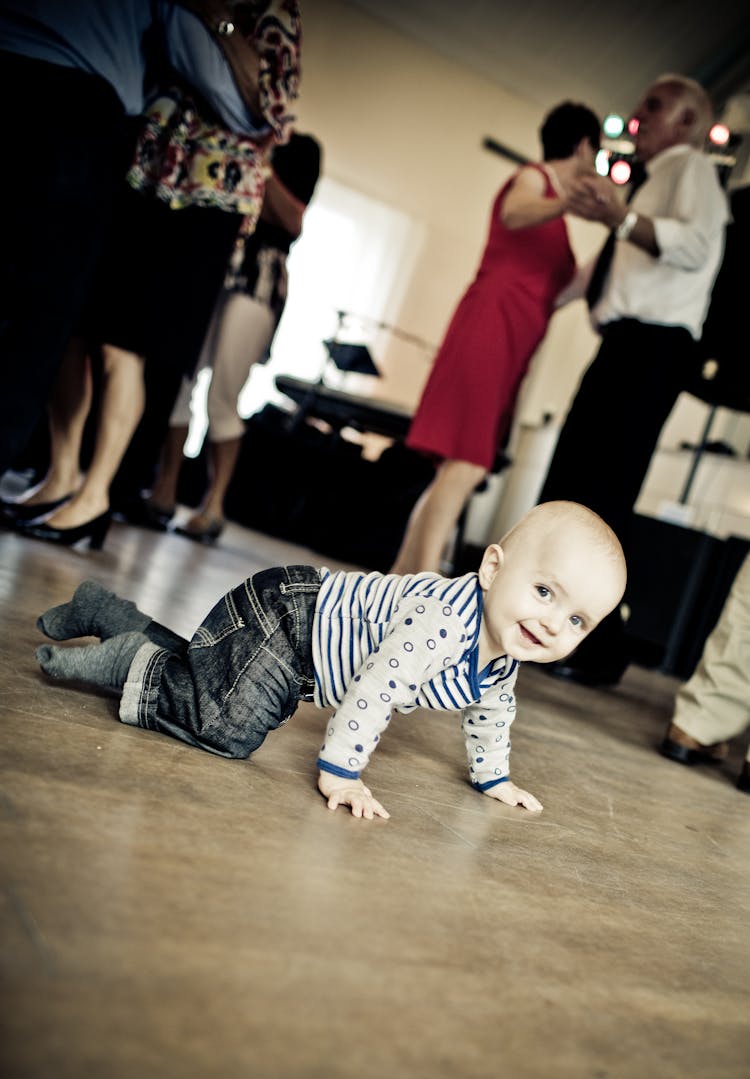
202	527
91	533
39	501
52	488
80	510
145	513
13	513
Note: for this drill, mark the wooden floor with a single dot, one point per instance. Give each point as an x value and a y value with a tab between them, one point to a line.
167	913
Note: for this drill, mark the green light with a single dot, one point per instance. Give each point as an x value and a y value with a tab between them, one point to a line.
613	125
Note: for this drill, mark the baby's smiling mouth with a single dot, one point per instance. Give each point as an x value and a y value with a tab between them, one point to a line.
528	635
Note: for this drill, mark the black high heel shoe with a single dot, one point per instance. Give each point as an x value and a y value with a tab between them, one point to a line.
13	512
144	514
94	531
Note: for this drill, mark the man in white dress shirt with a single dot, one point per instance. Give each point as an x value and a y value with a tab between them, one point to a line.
666	247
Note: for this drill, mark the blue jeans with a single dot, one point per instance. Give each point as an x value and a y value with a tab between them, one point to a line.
240	676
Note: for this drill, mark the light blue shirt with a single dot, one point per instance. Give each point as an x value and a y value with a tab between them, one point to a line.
105	38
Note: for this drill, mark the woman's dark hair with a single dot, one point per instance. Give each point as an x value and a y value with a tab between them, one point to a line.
565	126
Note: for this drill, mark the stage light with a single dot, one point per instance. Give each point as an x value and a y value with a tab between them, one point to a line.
633	125
719	135
620	172
601	162
613	125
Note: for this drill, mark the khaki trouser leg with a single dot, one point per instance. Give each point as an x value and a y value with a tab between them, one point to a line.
714	705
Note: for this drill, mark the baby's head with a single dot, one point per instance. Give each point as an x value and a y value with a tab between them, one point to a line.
548	582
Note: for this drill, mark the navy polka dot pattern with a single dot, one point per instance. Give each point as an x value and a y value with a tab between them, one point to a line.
487	733
405	643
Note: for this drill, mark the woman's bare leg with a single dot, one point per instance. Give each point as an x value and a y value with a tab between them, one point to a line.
163	494
435	516
67	411
244	330
224	457
123	400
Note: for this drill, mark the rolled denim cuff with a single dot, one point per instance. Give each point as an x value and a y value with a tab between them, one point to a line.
144	673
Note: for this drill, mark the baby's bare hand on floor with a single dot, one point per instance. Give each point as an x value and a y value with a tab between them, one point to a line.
338	790
512	795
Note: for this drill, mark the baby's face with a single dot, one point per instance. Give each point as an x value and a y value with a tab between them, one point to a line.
543	597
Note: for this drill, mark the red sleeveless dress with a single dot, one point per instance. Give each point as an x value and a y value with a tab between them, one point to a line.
467	404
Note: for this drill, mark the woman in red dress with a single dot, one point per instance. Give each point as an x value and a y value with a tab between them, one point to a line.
467	404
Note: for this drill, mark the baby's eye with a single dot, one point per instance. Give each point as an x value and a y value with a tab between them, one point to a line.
577	621
543	591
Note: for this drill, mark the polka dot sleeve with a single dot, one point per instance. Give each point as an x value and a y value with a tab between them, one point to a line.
424	638
486	728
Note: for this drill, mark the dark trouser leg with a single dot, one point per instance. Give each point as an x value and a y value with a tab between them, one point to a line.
246	667
55	204
608	440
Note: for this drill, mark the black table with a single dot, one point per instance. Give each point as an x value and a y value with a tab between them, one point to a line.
340	409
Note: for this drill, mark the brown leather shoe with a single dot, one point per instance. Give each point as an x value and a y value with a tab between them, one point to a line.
680	747
743	783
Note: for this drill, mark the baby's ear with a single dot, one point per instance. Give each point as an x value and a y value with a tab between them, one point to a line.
492	562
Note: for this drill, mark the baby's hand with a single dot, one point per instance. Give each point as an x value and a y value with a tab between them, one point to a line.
513	796
350	792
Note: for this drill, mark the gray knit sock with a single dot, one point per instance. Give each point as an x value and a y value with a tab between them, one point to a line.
106	664
93	611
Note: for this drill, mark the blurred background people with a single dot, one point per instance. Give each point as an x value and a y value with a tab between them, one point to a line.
467	405
242	329
77	71
193	185
665	249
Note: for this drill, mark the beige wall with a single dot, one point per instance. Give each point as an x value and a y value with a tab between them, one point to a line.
403	125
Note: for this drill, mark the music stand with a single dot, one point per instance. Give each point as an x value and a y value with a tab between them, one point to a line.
351	358
345	356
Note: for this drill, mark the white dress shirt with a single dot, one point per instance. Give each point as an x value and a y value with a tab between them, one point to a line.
685	201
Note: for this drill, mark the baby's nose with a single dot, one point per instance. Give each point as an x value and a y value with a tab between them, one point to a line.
553	621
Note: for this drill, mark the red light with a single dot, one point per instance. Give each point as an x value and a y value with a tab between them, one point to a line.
719	134
633	126
620	172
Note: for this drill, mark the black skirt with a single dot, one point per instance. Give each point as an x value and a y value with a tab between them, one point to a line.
159	279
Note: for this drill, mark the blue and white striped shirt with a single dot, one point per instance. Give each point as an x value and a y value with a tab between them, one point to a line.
395	643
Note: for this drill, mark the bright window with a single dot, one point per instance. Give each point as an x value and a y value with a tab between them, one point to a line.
355	255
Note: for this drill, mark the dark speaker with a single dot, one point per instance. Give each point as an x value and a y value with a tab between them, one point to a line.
677	584
315	488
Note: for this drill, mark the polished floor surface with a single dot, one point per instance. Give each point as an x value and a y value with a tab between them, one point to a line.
166	913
